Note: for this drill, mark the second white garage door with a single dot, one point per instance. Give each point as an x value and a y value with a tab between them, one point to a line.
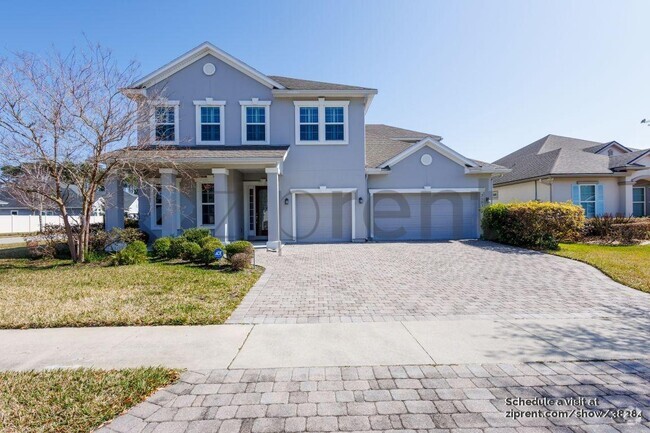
323	217
426	216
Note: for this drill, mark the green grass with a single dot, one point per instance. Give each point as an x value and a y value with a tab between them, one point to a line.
57	293
629	265
73	401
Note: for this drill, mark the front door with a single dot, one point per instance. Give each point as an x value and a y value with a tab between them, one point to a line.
261	211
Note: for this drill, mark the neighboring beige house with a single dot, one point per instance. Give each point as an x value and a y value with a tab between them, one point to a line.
603	178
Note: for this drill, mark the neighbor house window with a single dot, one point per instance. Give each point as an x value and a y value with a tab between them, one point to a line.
206	207
588	199
255	121
321	122
210	121
165	123
638	202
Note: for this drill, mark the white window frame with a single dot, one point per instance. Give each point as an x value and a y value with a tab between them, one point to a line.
209	102
581	201
152	203
321	103
199	202
176	105
255	102
644	199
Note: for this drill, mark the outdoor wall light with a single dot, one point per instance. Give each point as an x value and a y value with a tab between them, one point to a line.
286	201
360	200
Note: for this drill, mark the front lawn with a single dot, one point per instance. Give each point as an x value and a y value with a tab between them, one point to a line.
629	265
73	401
56	293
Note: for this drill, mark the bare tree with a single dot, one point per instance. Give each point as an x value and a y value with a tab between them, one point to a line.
60	115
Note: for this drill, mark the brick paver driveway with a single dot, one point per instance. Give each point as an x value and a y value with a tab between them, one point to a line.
601	397
420	281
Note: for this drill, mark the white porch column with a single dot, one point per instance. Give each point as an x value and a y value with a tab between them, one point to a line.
626	197
114	204
168	194
221	203
273	185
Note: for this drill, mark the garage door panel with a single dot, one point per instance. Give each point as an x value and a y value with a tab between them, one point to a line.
425	216
324	217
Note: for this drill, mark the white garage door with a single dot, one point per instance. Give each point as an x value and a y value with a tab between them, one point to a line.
323	217
426	216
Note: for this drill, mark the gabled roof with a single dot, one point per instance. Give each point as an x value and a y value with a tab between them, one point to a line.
386	143
557	155
206	48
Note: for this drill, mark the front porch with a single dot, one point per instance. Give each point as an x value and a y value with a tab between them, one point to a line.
234	199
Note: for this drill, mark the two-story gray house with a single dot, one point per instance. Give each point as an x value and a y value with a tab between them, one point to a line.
278	159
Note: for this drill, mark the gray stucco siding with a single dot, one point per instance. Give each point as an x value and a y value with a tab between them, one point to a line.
411	173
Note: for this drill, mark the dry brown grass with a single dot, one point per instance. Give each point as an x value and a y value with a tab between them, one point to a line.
73	401
56	293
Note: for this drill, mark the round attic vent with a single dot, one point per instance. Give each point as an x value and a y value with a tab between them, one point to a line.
209	69
426	159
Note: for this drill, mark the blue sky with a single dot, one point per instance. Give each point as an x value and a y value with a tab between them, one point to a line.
489	77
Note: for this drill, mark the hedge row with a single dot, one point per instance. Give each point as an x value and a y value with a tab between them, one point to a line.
539	225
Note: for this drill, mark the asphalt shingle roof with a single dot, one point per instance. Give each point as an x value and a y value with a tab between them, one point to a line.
300	84
556	155
384	142
202	152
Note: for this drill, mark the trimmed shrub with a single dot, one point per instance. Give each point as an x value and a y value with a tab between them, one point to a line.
161	247
601	226
133	254
176	247
190	251
240	261
196	234
638	229
239	247
538	225
206	240
206	255
129	235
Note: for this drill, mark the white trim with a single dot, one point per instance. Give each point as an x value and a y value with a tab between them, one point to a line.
435	145
370	170
197	53
220	171
167	171
267	120
322	190
209	102
151	196
152	121
320	104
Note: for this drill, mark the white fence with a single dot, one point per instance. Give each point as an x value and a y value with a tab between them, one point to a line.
31	223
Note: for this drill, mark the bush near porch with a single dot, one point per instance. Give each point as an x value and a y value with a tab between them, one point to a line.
610	229
538	225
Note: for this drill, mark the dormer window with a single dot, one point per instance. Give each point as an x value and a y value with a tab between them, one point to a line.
210	121
165	123
321	122
255	127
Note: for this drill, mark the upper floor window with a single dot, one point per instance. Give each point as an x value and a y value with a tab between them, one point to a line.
308	123
210	121
255	121
165	123
321	122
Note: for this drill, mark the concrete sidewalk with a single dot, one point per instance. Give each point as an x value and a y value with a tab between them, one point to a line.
333	344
